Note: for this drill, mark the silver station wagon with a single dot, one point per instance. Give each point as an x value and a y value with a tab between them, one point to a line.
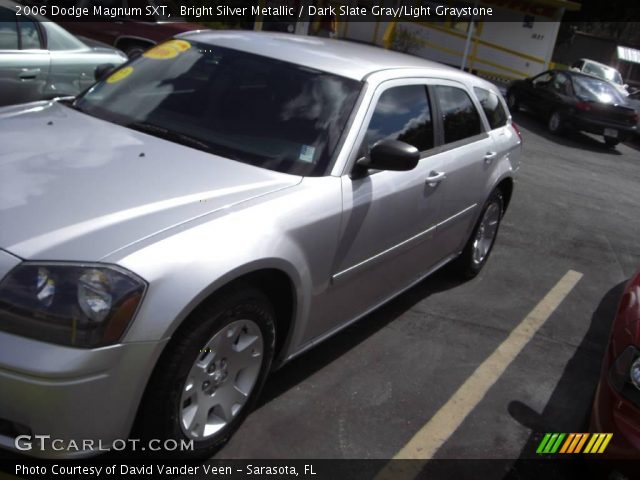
216	207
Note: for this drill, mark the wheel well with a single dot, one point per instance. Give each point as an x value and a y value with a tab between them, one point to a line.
277	286
506	187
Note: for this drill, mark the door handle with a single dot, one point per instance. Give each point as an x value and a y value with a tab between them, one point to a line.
435	178
490	157
28	73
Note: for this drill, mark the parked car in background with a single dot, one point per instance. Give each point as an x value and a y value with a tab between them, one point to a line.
133	35
237	198
41	60
600	70
616	407
567	99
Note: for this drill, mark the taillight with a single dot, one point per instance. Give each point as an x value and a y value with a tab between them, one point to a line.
517	129
584	106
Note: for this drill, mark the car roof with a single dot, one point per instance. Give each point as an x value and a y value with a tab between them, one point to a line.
576	73
344	58
603	65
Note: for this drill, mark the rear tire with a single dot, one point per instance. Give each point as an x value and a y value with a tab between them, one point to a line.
512	102
476	252
134	50
211	373
611	142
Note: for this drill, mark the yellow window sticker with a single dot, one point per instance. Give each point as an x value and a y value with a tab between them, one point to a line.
120	75
167	50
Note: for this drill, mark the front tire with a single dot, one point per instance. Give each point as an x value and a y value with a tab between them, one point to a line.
478	248
211	373
555	123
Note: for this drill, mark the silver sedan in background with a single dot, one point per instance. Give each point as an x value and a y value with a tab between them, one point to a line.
40	60
215	208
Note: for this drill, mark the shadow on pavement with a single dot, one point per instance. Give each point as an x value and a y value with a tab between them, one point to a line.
569	407
321	355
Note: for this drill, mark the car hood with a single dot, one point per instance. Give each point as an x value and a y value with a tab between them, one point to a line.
74	187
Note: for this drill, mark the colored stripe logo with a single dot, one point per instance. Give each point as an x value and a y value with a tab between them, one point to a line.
574	443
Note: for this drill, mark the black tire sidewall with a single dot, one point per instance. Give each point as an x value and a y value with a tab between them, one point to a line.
512	102
559	128
467	266
165	388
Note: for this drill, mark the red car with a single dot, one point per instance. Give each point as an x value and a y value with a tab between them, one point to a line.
616	408
132	35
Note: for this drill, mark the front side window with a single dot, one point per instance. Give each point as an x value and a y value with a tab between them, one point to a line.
561	84
402	113
542	80
459	116
29	35
492	107
8	30
253	109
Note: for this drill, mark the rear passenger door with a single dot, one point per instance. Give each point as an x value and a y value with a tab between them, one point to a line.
466	158
497	116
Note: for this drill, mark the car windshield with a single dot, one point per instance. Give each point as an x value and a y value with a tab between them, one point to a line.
594	90
608	74
258	110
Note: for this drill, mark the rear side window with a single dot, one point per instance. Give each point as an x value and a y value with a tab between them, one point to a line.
492	107
459	116
402	113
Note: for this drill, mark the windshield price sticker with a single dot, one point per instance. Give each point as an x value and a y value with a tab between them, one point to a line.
167	50
120	75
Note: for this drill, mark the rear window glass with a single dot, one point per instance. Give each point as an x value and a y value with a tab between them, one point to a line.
593	90
492	107
460	118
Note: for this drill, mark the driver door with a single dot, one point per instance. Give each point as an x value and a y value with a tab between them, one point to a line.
388	216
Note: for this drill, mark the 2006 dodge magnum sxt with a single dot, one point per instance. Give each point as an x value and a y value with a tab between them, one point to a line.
214	208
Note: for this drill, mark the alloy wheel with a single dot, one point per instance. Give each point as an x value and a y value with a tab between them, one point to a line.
221	379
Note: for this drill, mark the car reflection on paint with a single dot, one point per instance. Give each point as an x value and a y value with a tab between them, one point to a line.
40	60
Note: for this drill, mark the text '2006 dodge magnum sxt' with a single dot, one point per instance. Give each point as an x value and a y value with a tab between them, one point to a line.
216	207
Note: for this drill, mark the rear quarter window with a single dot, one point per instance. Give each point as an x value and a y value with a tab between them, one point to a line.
492	107
460	118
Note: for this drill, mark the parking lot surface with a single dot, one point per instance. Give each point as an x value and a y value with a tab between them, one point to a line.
366	392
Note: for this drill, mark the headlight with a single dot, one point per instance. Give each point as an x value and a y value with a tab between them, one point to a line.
78	305
624	375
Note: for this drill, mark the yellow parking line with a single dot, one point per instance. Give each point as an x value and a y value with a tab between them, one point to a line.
446	421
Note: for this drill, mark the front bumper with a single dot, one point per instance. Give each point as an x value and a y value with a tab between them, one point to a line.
70	393
613	414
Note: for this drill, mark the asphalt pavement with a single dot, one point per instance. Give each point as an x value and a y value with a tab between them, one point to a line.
366	392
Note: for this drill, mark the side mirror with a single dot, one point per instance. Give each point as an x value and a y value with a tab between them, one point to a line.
102	71
391	155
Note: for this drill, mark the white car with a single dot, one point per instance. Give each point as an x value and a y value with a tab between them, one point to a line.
600	70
